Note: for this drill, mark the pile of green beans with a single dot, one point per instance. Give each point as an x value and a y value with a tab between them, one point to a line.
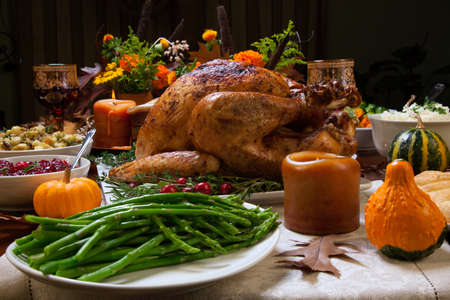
140	233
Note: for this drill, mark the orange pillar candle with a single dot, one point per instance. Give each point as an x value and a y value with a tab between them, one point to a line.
112	123
321	193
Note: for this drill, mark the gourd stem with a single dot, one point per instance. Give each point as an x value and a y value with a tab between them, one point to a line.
419	122
66	178
411	100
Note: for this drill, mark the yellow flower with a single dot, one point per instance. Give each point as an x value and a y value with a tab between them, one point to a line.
209	35
108	75
111	66
164	43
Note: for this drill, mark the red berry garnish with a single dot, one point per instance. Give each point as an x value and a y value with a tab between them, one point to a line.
181	180
168	188
132	184
225	188
202	187
187	190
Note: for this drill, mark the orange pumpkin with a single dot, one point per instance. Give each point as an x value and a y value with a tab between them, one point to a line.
63	198
401	220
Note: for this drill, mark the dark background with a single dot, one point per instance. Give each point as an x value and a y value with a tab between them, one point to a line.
400	47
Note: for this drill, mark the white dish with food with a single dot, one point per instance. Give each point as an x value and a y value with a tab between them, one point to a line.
384	130
21	141
17	191
176	278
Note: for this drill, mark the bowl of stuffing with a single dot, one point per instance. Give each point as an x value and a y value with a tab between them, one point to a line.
39	140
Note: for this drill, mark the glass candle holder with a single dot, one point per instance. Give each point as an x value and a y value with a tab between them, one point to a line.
321	193
321	71
55	86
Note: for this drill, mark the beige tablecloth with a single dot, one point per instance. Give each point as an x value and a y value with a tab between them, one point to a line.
372	277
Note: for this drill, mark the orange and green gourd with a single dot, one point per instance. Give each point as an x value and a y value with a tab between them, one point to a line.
401	220
423	148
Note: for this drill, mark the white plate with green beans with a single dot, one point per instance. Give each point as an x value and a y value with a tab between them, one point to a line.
149	244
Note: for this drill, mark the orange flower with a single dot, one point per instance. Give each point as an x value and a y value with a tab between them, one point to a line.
209	35
250	56
128	62
162	80
196	65
107	37
164	43
171	77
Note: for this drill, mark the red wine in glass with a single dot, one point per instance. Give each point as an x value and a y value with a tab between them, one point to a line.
55	86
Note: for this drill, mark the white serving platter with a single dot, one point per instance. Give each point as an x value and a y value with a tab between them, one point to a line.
168	280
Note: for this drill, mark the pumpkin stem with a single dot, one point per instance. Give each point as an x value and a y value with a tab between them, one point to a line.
419	122
67	173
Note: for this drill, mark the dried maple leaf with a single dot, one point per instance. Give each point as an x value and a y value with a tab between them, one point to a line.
203	54
317	254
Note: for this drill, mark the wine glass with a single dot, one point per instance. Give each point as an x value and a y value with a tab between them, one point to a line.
55	86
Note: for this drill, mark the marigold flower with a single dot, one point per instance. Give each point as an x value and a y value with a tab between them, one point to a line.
164	43
196	65
209	35
171	77
250	56
107	37
162	75
128	62
108	76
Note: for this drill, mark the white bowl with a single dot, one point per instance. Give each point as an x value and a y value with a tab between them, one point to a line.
364	138
384	131
16	192
69	150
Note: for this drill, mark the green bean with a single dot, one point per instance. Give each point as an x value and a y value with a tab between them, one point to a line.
48	234
78	271
62	227
230	228
23	240
234	238
206	240
47	220
81	254
52	266
114	268
173	237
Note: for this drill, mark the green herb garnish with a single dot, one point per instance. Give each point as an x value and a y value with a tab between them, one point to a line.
30	167
291	54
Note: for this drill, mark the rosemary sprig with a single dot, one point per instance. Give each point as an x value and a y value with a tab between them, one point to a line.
242	186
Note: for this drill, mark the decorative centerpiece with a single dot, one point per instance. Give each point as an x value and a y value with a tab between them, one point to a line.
133	68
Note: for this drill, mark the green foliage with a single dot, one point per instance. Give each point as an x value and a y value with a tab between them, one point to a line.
370	108
291	54
114	160
184	68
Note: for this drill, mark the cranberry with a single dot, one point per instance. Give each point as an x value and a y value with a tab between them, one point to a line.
132	184
202	187
44	164
20	165
181	180
225	188
187	190
168	188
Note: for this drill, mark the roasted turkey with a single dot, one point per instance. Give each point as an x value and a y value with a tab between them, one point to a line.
242	119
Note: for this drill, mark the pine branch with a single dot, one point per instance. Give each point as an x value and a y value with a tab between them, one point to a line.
225	30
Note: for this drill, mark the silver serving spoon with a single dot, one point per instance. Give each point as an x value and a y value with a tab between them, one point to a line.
84	145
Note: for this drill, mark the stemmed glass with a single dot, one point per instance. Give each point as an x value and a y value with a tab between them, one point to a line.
55	86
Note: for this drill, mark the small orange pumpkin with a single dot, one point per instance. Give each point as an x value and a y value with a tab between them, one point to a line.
63	198
401	220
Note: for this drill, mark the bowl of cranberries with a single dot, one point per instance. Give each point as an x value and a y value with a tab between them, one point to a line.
21	175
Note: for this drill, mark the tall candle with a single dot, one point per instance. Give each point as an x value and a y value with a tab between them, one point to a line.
112	122
321	193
